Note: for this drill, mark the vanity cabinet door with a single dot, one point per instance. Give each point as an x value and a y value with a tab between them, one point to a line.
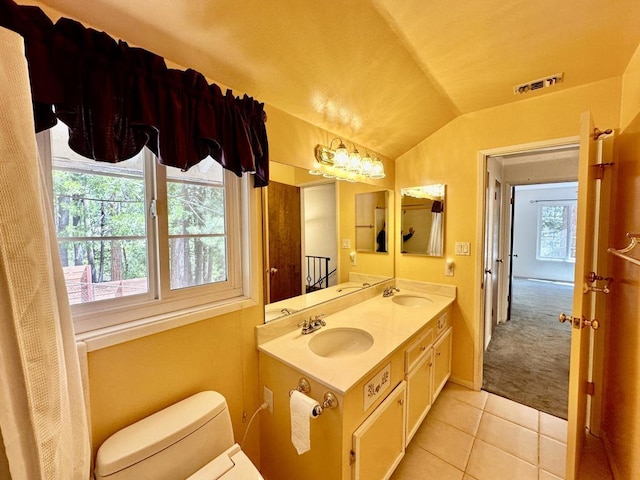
378	444
441	362
419	393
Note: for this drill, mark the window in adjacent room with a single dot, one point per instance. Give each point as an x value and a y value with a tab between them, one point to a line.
138	239
556	231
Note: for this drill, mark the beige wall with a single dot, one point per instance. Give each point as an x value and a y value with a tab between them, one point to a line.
132	380
621	421
451	156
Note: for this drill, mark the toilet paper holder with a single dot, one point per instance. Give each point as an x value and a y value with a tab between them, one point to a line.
329	401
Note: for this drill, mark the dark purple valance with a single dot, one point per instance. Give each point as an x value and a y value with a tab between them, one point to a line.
116	99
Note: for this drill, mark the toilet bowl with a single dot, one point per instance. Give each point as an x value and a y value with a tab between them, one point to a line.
191	439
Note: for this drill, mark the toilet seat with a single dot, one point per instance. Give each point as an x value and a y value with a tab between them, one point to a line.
230	465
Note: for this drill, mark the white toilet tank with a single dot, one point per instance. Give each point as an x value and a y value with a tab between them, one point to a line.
171	444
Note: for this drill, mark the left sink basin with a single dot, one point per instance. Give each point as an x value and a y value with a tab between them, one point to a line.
341	342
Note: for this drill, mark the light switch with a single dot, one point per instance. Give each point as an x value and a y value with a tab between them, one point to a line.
346	243
463	248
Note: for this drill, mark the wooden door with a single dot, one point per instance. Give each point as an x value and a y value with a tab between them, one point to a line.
587	246
283	275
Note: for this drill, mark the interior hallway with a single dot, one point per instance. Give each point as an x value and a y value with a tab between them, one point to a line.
476	435
528	357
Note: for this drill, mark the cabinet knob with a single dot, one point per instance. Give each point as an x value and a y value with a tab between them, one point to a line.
438	354
423	348
401	401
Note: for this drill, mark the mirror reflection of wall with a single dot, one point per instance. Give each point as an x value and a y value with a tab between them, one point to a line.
422	220
326	224
320	237
371	222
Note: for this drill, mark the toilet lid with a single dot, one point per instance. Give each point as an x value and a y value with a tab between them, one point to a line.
230	465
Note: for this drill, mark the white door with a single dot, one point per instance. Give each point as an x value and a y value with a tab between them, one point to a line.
584	304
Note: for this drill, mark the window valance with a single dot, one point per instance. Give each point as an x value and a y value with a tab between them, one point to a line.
116	99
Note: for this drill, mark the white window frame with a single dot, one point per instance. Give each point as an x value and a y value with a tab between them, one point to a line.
541	205
162	308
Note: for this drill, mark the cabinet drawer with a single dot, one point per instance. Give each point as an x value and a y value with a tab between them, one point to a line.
418	349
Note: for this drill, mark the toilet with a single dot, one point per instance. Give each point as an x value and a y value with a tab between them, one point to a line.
192	439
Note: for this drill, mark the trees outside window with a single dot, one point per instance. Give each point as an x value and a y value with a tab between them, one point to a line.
557	231
136	233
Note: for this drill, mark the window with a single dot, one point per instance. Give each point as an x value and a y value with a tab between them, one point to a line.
557	231
137	239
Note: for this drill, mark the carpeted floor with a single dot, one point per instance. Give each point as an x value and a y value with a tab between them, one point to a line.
527	360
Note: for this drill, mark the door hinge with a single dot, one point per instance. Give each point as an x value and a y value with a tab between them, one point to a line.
599	175
352	457
590	388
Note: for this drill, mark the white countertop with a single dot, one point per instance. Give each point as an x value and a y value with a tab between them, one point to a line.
390	325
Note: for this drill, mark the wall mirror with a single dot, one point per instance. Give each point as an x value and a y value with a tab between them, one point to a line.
311	251
422	220
371	221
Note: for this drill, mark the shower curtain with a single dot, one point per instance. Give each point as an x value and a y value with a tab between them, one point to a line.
42	411
435	235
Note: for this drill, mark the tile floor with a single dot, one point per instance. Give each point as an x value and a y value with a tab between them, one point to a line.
471	435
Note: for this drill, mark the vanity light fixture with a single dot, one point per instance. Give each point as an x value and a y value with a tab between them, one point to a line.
340	164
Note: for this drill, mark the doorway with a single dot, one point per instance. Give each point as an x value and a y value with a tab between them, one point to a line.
529	268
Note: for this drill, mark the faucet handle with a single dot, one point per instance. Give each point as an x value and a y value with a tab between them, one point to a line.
304	324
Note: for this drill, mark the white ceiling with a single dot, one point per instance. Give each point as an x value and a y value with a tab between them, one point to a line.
383	73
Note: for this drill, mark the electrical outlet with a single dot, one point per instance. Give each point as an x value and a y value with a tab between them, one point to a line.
448	268
268	397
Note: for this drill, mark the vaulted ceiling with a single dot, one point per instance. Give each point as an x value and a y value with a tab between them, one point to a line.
383	73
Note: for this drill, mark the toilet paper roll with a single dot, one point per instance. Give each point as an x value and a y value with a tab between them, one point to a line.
301	408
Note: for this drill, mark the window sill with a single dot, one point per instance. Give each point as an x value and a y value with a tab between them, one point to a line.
126	332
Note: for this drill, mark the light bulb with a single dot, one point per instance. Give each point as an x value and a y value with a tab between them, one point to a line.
354	161
341	157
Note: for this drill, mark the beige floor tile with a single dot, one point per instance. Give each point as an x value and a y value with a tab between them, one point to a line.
444	441
458	414
553	427
512	411
544	475
490	463
475	398
418	463
553	456
510	437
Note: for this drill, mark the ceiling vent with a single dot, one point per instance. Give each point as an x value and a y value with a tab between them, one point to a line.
544	82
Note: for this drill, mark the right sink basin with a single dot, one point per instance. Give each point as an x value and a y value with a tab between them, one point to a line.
411	300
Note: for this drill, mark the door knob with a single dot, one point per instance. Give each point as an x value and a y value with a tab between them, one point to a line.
273	270
578	322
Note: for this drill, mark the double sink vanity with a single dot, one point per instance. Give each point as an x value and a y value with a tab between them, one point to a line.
383	354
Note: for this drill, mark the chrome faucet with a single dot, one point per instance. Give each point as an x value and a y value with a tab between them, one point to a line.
312	324
389	291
